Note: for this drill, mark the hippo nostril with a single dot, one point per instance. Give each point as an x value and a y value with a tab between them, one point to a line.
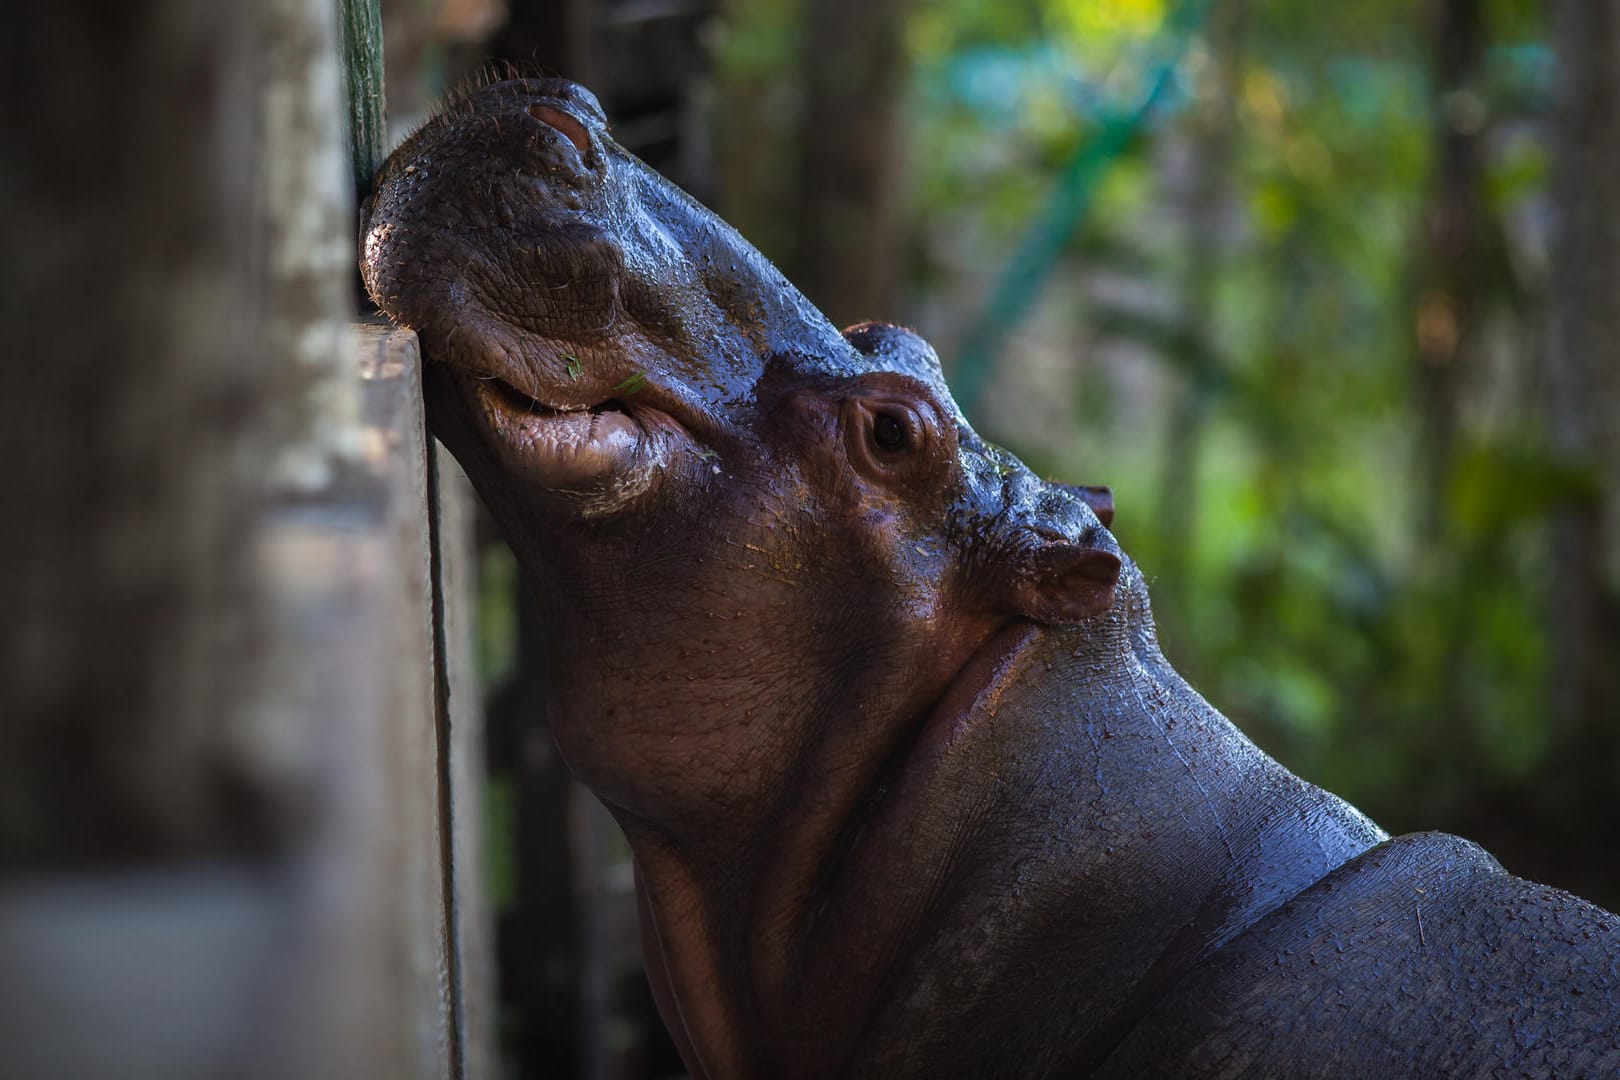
562	122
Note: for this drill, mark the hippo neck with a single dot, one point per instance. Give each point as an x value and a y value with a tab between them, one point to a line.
1147	832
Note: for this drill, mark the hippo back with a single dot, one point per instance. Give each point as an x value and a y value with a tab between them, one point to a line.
1421	957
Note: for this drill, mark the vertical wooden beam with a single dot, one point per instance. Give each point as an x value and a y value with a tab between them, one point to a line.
541	947
401	744
308	249
137	422
558	38
462	779
1214	135
1448	306
220	813
854	74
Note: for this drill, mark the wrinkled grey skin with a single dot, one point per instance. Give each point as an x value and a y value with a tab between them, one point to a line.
911	789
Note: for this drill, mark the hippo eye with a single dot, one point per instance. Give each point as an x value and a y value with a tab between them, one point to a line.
889	432
892	436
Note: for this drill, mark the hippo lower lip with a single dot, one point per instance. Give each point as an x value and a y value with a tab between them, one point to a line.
559	445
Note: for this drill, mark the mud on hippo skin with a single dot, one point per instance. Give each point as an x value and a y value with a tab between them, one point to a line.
910	787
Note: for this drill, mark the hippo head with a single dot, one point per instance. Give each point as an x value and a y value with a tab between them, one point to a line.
775	559
759	540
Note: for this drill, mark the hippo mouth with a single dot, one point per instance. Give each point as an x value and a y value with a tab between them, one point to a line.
568	446
560	444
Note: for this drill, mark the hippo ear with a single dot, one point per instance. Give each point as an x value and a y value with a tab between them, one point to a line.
1066	583
895	348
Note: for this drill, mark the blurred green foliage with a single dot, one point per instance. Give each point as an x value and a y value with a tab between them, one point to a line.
1371	610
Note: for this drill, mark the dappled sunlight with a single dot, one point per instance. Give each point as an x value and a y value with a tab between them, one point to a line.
1083	22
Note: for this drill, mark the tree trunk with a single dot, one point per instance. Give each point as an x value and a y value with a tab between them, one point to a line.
851	137
1447	299
1583	384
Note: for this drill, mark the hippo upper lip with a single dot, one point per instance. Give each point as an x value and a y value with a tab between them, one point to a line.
525	401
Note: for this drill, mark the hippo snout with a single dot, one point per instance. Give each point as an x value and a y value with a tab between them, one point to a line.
526	247
1072	573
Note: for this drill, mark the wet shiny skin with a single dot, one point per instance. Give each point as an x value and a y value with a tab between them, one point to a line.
910	787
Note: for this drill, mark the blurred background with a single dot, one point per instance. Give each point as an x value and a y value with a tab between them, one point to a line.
1329	294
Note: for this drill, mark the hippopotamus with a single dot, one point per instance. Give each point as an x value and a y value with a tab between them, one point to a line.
910	787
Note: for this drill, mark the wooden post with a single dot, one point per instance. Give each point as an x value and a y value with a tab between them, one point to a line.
238	828
138	422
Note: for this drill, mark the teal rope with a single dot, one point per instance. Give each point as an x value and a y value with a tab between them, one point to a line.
1037	253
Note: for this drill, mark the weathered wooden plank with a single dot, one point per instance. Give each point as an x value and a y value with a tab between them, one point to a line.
158	974
440	782
255	964
464	781
329	956
410	750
